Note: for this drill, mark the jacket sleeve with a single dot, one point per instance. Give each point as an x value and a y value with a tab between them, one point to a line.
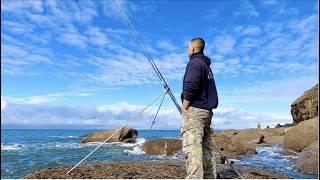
192	81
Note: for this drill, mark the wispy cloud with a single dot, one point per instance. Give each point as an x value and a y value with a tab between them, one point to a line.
246	9
223	44
46	99
269	2
15	59
280	91
251	30
74	39
16	5
166	45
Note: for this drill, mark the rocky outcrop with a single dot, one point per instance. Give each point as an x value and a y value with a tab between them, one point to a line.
162	146
230	148
254	136
127	135
249	136
308	160
144	170
306	106
302	135
273	135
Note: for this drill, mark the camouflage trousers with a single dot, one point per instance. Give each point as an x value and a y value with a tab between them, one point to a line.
196	144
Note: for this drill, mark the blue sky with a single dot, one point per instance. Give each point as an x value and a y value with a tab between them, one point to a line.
74	64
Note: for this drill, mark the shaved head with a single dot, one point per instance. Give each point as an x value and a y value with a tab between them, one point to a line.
196	45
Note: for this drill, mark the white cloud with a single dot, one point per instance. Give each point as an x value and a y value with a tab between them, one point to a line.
3	104
17	59
268	93
166	45
18	5
114	115
16	27
34	99
72	39
223	44
86	12
232	118
246	9
129	68
288	47
97	37
251	30
212	15
250	43
115	8
269	2
45	99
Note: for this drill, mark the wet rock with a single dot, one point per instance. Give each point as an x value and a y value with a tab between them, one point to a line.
302	135
306	106
127	135
308	160
162	146
144	170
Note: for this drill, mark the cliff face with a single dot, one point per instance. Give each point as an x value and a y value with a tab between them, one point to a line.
306	106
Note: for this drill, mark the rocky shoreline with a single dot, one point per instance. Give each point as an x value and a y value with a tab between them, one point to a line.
300	137
145	170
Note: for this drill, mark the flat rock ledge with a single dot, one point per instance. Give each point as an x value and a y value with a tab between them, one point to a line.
144	170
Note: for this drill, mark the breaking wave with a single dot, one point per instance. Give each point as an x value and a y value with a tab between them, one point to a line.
11	147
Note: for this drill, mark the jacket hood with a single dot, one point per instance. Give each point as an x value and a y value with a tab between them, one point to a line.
203	57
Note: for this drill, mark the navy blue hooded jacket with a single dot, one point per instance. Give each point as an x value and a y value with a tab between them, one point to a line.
198	83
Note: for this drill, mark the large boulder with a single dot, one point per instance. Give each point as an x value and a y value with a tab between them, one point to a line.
306	106
253	136
273	135
308	159
302	135
249	136
127	135
162	146
230	148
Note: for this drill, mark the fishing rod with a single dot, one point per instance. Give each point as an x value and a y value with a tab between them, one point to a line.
163	81
151	61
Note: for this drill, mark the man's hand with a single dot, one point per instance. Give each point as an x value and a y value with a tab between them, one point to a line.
185	105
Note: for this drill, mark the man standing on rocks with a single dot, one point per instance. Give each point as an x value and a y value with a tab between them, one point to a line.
199	97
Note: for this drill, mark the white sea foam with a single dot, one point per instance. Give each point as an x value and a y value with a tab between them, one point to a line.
11	147
73	136
139	141
136	150
137	146
271	151
234	160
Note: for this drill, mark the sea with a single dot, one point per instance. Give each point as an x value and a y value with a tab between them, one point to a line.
24	151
